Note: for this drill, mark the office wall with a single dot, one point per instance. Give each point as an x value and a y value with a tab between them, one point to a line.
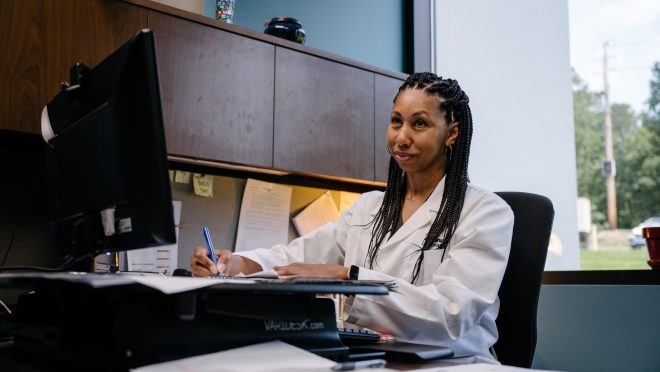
25	207
370	31
598	328
512	59
195	6
221	213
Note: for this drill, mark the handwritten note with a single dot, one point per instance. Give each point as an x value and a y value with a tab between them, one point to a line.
203	185
182	177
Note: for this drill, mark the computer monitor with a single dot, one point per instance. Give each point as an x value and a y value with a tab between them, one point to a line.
108	177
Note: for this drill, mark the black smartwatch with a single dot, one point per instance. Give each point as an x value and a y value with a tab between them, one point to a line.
354	272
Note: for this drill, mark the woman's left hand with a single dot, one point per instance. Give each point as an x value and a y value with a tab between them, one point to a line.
327	271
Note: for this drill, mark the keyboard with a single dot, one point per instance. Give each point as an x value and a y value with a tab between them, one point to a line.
352	336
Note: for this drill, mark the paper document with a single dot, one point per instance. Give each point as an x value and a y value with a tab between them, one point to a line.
165	284
347	199
264	217
317	214
178	284
161	259
93	280
270	356
266	274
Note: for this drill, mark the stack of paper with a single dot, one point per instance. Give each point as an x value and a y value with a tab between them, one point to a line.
161	259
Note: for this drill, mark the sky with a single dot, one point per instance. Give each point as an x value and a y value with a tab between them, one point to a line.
633	30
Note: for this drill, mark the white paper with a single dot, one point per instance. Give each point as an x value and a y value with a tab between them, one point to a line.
347	199
266	274
178	284
264	217
161	259
317	214
165	284
270	356
93	280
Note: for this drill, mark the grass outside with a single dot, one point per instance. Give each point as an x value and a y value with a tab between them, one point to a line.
628	259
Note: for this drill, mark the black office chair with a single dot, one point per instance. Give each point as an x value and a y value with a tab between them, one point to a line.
519	293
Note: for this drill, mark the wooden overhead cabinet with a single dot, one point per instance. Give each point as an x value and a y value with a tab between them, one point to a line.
42	39
385	88
217	92
323	116
229	94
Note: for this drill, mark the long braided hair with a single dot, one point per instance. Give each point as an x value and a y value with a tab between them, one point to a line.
456	109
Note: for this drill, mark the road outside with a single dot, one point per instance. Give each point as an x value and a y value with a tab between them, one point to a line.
614	253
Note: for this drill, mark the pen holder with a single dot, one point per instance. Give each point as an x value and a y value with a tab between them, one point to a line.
652	236
224	10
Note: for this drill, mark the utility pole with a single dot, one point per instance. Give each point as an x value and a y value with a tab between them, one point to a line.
609	165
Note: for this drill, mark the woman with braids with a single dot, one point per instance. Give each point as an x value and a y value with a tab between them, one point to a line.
442	240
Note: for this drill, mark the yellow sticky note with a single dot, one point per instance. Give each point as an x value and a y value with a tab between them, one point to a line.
171	175
203	185
182	177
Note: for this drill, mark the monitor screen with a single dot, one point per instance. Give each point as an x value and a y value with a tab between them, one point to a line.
108	179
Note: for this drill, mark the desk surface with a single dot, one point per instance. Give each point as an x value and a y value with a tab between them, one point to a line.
10	361
171	285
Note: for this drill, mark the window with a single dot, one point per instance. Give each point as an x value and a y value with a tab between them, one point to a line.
615	55
534	74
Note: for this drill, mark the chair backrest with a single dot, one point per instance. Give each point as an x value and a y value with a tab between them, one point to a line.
519	292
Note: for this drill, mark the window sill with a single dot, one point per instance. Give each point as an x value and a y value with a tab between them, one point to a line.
602	277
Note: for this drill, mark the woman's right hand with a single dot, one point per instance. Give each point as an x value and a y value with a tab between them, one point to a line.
228	264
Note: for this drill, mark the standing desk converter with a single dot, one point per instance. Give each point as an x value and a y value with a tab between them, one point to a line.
68	321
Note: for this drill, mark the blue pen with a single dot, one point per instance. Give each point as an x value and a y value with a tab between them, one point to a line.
209	245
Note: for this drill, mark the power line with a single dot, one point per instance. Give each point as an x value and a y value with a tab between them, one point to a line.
609	165
630	68
636	44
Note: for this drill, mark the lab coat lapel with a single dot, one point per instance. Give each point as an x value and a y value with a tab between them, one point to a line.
420	219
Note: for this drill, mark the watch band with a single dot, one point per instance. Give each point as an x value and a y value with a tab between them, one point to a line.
354	272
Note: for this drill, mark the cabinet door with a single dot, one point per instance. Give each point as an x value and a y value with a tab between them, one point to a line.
324	114
22	66
385	90
43	39
217	92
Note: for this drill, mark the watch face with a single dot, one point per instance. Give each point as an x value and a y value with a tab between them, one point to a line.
354	272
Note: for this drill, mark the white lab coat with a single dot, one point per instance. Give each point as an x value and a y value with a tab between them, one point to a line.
454	303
